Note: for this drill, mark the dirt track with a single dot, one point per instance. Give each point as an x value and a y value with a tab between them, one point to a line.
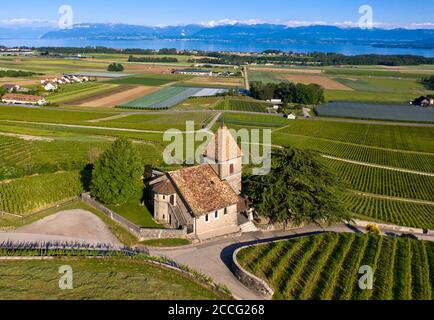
71	224
326	82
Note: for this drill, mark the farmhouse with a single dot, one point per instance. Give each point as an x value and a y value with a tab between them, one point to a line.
204	199
13	98
194	72
15	88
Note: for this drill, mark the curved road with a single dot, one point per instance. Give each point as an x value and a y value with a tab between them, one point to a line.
215	258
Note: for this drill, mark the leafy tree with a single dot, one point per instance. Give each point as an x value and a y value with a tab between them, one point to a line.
115	67
116	178
299	188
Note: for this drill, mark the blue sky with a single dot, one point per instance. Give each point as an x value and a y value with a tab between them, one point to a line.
387	13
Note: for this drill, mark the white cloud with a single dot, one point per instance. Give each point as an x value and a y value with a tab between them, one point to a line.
231	22
301	23
27	22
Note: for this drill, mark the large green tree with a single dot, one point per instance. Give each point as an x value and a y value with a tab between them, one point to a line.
117	176
300	188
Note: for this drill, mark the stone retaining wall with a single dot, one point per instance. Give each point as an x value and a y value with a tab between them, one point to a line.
141	233
249	280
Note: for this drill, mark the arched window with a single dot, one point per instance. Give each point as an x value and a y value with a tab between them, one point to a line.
231	168
172	199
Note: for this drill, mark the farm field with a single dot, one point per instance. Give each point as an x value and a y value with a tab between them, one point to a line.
396	212
13	113
302	76
225	82
242	105
253	120
50	65
20	157
150	79
326	267
24	196
359	83
159	122
383	181
99	279
397	137
163	99
197	103
76	92
423	162
376	111
116	97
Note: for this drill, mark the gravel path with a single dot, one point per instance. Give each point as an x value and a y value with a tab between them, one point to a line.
71	225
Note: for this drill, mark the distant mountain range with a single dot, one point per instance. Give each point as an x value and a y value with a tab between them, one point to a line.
238	32
242	32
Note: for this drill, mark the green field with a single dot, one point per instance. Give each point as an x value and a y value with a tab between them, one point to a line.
407	138
397	212
19	157
26	195
150	80
253	120
357	152
383	181
326	267
77	91
98	279
136	213
242	105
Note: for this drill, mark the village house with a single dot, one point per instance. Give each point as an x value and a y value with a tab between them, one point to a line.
14	98
51	84
204	199
194	72
11	88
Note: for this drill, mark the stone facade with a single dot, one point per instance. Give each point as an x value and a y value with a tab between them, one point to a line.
205	199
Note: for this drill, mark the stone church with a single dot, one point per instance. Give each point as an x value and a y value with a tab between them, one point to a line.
205	200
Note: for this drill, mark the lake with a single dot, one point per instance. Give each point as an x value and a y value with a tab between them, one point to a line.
210	45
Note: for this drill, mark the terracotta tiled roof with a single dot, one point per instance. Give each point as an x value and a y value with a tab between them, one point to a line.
22	97
165	187
203	190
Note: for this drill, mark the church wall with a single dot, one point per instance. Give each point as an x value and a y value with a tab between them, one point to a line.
213	225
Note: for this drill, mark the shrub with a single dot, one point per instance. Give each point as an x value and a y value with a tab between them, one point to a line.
373	229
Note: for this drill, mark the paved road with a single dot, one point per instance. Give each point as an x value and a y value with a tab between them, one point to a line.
215	258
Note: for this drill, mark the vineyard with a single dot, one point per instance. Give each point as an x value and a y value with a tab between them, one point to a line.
409	138
397	212
383	181
253	120
26	195
241	105
393	158
327	266
19	157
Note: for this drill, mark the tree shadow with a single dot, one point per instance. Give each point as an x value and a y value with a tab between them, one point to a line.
86	177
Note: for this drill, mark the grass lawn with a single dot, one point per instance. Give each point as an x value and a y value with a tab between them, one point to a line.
136	213
98	279
166	242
